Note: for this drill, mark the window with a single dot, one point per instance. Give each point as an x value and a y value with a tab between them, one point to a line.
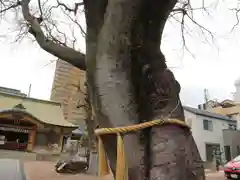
232	126
227	151
238	150
207	125
212	150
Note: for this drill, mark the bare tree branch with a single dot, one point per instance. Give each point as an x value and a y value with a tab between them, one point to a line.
4	8
236	10
77	23
73	57
40	8
50	62
59	44
50	31
75	9
184	10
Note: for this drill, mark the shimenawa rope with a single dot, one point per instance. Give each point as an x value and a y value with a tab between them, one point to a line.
122	168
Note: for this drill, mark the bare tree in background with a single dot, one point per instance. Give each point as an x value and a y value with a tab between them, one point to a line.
128	79
77	99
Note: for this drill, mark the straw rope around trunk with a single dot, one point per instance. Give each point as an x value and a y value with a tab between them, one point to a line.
122	166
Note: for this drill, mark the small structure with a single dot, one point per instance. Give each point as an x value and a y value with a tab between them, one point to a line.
29	124
73	142
77	134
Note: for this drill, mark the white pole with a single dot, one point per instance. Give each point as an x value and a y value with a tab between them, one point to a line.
29	90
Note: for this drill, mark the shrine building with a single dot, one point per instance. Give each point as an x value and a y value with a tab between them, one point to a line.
28	124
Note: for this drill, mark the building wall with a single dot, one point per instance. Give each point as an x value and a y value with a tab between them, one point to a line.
232	138
226	111
43	141
233	112
12	91
237	118
65	89
237	94
202	136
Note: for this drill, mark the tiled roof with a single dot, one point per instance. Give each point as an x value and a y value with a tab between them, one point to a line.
207	113
45	111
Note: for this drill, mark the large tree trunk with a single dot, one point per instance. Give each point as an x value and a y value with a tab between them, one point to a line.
173	152
129	83
108	73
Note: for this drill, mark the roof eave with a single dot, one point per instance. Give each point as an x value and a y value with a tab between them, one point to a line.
37	119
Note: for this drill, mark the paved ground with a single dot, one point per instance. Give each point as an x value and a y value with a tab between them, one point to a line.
215	176
40	170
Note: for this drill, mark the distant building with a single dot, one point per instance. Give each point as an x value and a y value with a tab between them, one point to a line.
68	89
230	108
28	124
12	91
231	135
208	131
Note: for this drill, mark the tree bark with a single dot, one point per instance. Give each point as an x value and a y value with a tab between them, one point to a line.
172	150
108	76
129	35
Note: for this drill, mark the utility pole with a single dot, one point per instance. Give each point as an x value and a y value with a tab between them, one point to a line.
206	98
206	95
29	90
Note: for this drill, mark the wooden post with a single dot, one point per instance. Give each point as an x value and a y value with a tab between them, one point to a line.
102	159
60	142
121	166
31	140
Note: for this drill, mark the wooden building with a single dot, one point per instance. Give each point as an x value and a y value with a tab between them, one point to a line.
29	124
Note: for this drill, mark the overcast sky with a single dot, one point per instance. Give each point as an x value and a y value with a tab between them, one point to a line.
215	66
